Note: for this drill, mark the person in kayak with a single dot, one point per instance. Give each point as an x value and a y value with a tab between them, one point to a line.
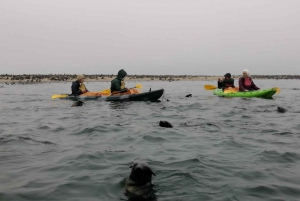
226	82
246	83
78	87
118	84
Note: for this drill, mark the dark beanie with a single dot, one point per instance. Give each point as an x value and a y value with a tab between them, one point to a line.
227	75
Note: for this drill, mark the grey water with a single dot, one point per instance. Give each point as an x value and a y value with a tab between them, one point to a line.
219	148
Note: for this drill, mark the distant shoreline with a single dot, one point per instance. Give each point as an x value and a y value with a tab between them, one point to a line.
52	78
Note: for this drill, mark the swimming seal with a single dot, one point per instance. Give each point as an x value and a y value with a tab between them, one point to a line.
281	110
78	103
189	95
165	124
138	185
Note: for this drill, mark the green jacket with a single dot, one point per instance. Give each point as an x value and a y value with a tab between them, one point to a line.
117	82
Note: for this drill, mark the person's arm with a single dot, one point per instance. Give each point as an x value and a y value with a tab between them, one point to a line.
75	89
220	84
115	85
232	82
253	85
123	90
241	87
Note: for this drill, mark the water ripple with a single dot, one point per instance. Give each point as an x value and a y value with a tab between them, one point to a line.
219	148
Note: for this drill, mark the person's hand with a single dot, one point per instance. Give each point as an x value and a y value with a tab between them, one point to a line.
84	91
123	90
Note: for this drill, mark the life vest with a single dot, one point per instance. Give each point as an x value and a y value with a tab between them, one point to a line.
122	84
82	87
247	82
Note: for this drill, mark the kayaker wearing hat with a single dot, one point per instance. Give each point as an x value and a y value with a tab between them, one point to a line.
118	84
226	82
246	83
78	87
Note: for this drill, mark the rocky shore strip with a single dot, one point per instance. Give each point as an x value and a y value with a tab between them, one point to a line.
48	78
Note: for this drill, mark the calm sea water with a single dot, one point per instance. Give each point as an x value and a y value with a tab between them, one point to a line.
219	148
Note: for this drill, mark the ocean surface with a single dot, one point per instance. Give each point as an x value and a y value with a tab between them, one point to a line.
219	149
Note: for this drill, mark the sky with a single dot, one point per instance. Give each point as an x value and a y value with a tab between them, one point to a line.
154	37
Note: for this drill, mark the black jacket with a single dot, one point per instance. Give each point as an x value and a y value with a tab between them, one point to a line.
75	88
228	83
222	84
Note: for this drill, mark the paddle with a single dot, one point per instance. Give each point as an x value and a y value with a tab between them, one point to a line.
55	96
210	87
107	91
277	89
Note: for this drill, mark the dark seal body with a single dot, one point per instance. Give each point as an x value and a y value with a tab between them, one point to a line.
281	110
78	103
138	185
165	124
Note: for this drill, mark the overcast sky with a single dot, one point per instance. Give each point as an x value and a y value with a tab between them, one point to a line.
150	37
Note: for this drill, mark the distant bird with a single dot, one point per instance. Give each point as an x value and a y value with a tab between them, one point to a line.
6	83
165	124
78	103
281	110
189	95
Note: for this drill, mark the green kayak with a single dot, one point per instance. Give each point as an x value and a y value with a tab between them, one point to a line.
263	93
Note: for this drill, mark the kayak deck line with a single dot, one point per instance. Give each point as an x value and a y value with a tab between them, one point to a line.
131	95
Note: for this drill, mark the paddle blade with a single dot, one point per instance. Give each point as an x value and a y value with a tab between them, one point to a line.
56	96
277	89
138	86
105	91
209	87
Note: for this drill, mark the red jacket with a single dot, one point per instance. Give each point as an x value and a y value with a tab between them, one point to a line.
243	87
